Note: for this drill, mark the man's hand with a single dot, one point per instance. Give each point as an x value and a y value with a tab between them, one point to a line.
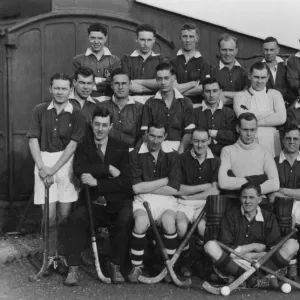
48	180
273	195
88	179
213	133
46	171
113	171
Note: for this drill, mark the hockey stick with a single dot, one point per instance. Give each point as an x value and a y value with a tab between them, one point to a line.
168	263
264	268
93	237
255	266
175	257
44	269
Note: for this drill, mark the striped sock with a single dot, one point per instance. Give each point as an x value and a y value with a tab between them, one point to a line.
170	241
137	248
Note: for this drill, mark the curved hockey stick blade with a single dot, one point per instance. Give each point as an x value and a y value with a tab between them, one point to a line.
211	289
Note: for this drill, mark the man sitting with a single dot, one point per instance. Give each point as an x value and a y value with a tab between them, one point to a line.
156	179
199	176
251	231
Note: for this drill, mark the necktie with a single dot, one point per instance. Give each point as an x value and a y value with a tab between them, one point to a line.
100	153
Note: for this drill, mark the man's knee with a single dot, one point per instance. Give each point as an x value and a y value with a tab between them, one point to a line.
181	225
213	250
141	222
168	221
289	249
201	228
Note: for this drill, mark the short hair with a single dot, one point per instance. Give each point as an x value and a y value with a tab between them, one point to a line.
290	127
226	37
248	116
189	26
270	39
165	66
97	27
210	80
157	125
200	129
103	113
119	71
259	65
145	27
250	185
84	71
61	76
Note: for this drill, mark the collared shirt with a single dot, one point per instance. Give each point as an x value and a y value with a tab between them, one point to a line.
178	119
55	131
233	80
194	173
144	167
289	176
293	113
274	70
102	144
223	120
102	68
138	68
236	230
88	107
127	121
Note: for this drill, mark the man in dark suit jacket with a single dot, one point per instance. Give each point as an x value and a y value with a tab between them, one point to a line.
277	69
102	163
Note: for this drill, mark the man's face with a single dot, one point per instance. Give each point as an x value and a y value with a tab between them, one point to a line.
228	51
200	141
146	40
120	85
259	79
60	90
250	200
155	137
271	50
247	131
84	85
212	94
101	127
291	141
189	39
165	80
97	41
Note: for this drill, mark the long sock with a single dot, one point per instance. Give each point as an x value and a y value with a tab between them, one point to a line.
137	248
170	241
228	266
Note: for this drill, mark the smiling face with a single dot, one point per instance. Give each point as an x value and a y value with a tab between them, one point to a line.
120	85
200	141
84	85
259	79
270	50
189	39
228	51
291	141
250	200
155	137
212	93
165	80
101	127
97	41
247	131
145	40
60	90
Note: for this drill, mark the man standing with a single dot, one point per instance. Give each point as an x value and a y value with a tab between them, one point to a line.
251	231
190	67
293	73
230	74
267	105
84	80
277	69
247	161
199	176
99	59
171	108
102	163
54	132
220	121
125	111
141	64
156	179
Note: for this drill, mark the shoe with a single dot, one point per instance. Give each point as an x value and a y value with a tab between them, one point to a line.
186	263
186	271
115	274
135	273
268	281
292	272
86	258
72	278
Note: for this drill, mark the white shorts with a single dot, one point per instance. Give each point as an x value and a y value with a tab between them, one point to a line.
158	204
170	146
191	208
63	189
296	212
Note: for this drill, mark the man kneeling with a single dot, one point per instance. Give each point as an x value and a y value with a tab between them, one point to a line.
156	179
251	231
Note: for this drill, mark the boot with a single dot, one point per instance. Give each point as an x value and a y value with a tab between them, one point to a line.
135	273
115	274
72	278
